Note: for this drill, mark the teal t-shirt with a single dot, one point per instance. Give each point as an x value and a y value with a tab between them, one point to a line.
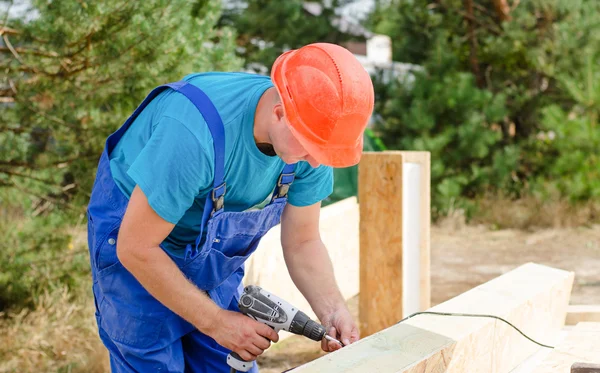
168	152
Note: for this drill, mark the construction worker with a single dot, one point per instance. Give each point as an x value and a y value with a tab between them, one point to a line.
171	217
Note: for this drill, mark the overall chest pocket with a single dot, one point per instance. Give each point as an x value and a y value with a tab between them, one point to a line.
231	238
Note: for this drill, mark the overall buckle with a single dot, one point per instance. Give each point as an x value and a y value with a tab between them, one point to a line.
218	198
283	184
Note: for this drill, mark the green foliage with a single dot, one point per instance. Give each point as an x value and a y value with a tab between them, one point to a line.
76	70
450	117
73	71
38	256
572	139
489	93
267	28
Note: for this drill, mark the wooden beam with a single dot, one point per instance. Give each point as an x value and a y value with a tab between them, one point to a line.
532	297
580	313
582	345
402	248
380	239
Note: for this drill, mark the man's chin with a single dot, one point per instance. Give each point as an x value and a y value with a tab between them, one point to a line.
288	160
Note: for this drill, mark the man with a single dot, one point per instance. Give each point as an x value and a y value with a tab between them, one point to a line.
171	219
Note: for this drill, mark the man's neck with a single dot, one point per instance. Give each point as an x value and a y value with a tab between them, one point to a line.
262	117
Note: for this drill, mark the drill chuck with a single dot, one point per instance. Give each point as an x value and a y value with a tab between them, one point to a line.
302	324
314	331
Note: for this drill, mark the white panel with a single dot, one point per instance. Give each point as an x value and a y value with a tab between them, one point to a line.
411	237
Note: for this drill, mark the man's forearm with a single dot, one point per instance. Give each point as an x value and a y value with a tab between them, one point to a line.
163	279
312	272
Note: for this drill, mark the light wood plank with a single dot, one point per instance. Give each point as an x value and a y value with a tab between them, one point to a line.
582	344
380	237
533	297
581	313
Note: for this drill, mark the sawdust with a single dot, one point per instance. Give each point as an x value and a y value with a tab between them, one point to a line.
464	256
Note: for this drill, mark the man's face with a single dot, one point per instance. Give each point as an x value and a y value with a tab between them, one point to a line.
287	147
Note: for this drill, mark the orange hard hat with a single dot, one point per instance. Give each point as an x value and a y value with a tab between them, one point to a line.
328	98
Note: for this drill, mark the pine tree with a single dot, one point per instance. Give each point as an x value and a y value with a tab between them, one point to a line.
267	28
72	71
490	70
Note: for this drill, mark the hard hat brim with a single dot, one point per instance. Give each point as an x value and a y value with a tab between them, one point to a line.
329	154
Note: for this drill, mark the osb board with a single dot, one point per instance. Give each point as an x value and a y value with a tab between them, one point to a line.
394	191
380	186
582	344
533	297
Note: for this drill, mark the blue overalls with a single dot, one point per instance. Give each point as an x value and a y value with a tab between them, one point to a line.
141	334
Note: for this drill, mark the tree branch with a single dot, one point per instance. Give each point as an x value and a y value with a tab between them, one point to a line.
12	50
30	51
18	174
15	163
473	43
8	31
6	16
16	55
515	5
502	9
47	198
16	130
472	18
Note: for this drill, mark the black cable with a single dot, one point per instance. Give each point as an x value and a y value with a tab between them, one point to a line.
472	315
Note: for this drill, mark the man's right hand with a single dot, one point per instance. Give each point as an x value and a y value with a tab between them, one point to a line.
241	334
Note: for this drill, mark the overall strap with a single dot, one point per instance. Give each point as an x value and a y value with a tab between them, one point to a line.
285	180
208	111
216	198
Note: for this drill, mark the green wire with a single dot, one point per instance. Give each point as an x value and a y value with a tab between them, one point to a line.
473	315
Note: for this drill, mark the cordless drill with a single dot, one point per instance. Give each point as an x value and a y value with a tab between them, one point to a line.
273	311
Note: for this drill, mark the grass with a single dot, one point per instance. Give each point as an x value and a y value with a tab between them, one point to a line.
58	335
47	321
532	213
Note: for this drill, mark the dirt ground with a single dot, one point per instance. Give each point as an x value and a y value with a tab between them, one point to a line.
466	256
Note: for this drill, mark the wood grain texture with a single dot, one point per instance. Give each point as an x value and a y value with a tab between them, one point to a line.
582	345
380	237
581	313
533	297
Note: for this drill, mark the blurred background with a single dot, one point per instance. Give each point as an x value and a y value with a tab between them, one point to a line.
505	94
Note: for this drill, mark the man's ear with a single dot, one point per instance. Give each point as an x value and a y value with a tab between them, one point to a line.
278	112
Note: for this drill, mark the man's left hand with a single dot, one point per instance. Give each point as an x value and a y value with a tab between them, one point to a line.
341	326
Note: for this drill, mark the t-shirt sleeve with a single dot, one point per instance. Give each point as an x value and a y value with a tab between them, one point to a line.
172	169
310	185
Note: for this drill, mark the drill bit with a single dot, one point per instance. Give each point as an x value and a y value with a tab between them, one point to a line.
330	338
